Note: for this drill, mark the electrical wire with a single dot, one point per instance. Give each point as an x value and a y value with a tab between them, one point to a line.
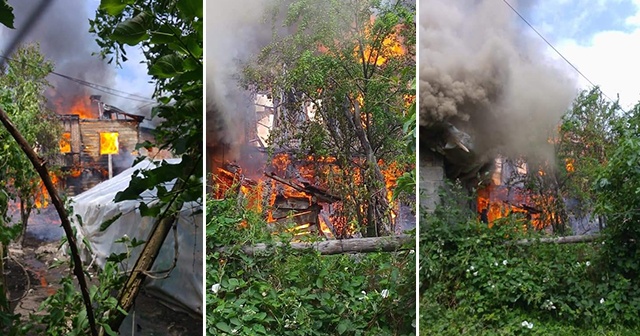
101	88
556	50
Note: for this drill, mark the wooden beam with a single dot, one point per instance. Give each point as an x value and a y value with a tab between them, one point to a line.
559	240
330	247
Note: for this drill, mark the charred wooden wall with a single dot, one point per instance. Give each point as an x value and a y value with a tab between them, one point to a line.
84	165
90	130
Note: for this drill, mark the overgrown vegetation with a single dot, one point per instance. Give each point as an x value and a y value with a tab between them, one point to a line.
353	64
22	97
477	280
286	292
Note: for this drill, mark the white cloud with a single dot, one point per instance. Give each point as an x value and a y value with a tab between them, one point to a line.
609	58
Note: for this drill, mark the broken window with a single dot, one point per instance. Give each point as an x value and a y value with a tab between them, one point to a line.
109	143
65	143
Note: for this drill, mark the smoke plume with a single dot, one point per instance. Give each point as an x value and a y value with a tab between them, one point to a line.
236	31
63	35
482	70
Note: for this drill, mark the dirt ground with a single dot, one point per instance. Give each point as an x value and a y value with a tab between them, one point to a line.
30	281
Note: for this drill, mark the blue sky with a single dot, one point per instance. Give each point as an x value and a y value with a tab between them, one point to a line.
601	38
132	77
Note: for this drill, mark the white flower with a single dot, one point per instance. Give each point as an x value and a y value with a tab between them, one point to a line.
472	268
527	324
412	251
601	300
384	293
215	288
475	273
504	262
264	294
495	263
234	331
493	286
588	263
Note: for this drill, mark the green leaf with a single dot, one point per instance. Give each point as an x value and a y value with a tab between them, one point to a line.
191	9
152	211
224	327
6	14
167	66
134	30
108	330
114	7
342	327
105	225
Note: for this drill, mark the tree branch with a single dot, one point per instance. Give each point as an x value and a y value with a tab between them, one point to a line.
40	166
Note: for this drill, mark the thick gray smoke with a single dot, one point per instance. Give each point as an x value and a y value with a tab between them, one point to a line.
63	35
235	32
481	69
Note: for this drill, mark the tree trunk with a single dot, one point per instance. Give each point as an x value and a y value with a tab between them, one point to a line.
40	166
373	178
150	251
331	247
4	301
25	213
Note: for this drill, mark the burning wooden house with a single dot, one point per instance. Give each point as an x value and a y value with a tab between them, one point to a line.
290	190
98	142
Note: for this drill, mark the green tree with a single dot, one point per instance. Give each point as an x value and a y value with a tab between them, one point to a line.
22	97
587	137
618	197
170	34
354	62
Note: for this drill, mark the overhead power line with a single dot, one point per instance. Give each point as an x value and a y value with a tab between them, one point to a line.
554	49
106	89
101	88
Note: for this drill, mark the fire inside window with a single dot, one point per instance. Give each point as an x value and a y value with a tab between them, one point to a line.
65	143
109	143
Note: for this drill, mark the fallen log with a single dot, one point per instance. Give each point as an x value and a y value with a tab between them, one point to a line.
331	247
559	240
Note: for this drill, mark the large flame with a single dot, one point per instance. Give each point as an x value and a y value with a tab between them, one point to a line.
264	195
83	108
390	47
109	143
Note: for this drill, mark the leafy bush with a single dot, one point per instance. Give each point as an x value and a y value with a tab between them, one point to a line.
286	292
479	271
478	280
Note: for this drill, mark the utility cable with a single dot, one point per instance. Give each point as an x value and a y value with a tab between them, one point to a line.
554	49
101	88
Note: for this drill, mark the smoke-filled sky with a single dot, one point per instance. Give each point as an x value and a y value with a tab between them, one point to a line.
602	38
235	31
62	33
480	70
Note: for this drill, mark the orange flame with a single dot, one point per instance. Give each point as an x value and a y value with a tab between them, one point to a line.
82	107
42	195
109	143
390	47
569	164
65	143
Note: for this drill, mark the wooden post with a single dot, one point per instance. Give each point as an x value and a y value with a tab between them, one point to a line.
110	166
